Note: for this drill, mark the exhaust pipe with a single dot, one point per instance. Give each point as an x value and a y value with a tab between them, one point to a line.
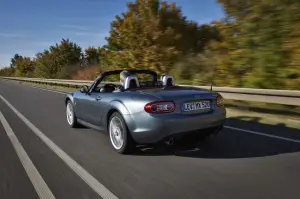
170	142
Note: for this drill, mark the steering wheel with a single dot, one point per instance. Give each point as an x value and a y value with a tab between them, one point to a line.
109	87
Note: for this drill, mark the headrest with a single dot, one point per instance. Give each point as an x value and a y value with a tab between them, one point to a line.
167	80
131	82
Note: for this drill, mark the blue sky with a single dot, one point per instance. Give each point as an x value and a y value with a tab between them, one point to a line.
28	27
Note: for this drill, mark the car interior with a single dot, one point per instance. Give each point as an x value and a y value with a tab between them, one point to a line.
167	80
132	82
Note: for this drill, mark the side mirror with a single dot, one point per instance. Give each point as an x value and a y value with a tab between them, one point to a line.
84	89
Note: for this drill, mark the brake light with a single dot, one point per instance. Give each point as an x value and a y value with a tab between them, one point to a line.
219	101
160	107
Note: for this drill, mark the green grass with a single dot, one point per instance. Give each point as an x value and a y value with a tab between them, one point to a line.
262	105
264	113
287	111
53	87
264	118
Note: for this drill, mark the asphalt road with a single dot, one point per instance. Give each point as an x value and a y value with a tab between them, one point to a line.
79	163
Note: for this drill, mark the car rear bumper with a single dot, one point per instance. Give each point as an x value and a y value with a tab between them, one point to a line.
148	129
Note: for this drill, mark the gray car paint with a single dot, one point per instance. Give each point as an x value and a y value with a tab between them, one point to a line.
144	127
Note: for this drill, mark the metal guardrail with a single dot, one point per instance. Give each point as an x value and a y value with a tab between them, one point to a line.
286	97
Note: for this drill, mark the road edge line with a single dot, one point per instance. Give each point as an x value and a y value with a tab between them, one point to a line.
99	188
48	89
39	87
35	177
263	134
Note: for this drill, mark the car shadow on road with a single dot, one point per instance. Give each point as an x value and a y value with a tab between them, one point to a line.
236	144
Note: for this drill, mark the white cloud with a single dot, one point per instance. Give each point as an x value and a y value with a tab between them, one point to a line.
84	34
91	34
44	44
70	26
12	35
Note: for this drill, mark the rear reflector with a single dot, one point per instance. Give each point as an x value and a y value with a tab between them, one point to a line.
160	107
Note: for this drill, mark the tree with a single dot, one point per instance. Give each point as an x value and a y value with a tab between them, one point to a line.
46	65
92	55
7	71
259	34
291	45
153	35
24	66
195	69
14	60
60	61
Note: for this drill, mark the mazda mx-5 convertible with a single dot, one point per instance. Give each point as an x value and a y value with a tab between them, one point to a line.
145	111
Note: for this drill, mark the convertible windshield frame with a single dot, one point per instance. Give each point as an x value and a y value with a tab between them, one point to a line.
116	72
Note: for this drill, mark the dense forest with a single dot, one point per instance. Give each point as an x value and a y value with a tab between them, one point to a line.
256	44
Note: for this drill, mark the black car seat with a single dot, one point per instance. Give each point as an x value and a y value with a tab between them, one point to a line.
131	82
167	80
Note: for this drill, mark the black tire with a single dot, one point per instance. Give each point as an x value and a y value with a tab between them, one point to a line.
128	142
74	123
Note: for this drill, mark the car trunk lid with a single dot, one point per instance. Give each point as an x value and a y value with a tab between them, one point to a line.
187	100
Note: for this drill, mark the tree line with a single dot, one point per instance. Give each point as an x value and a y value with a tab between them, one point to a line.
256	44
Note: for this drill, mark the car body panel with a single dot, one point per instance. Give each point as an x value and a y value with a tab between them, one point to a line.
85	106
145	127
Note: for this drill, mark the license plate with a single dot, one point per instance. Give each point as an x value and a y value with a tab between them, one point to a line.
194	106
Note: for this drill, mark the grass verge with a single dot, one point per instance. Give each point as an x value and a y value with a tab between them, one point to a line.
264	118
52	87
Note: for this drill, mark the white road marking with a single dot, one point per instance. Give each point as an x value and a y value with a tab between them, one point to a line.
47	89
263	134
51	90
38	87
99	188
36	179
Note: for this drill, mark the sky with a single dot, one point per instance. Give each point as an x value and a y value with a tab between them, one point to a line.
28	27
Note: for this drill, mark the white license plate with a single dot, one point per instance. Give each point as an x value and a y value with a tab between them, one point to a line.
194	106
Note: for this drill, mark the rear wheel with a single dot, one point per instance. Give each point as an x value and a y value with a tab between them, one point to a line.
119	135
71	118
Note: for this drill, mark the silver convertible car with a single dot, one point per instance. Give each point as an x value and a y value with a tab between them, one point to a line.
145	112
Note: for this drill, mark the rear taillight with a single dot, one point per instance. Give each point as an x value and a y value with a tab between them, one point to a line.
219	101
160	107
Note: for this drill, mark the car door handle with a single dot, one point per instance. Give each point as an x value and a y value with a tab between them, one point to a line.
98	98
